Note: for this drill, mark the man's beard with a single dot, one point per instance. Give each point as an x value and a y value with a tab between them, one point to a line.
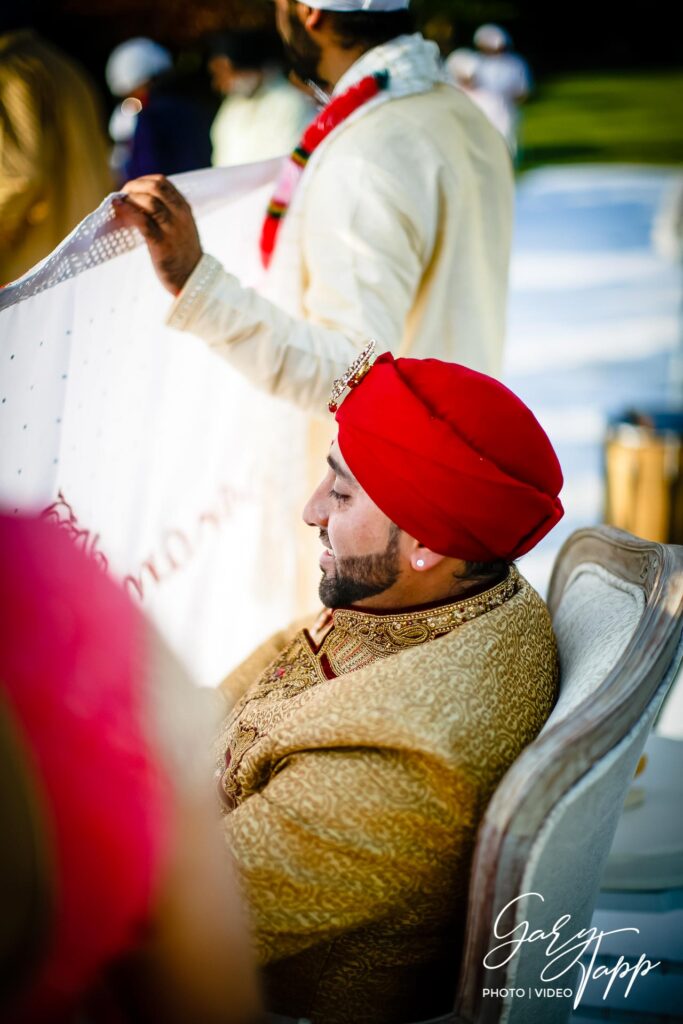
361	576
302	52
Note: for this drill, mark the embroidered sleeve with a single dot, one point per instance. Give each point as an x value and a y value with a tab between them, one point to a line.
339	839
197	286
249	670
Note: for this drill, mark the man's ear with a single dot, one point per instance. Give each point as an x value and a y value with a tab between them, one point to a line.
314	18
423	558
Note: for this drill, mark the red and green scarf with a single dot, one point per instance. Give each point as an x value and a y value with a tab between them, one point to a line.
336	111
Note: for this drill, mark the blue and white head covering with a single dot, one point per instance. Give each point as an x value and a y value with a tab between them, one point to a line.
135	62
492	37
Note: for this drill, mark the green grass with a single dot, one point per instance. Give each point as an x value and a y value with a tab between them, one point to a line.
604	118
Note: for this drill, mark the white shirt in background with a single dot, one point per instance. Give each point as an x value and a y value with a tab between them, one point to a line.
268	123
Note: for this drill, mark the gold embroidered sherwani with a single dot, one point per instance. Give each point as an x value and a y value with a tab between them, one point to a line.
356	771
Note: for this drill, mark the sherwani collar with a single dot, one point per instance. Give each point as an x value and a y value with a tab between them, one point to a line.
359	641
413	63
359	637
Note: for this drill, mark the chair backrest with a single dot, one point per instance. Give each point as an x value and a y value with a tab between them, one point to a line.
617	607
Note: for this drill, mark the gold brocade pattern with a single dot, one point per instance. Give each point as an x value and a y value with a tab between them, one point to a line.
356	640
355	799
359	638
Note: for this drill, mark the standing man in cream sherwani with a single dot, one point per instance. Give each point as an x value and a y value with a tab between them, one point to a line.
392	219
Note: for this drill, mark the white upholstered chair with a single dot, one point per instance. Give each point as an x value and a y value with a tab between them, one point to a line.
617	607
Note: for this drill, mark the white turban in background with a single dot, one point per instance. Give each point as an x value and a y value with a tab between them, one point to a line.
135	62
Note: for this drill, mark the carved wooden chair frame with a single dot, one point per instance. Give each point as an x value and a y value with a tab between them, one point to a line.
554	763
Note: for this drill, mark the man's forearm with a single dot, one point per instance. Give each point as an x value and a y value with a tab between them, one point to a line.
288	357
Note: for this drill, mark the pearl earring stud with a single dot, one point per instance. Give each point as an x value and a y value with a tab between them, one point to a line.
420	563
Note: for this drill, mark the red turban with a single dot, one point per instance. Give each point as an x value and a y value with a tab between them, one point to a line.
452	457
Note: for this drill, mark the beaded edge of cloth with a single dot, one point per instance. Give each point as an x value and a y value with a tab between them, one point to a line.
385	634
336	111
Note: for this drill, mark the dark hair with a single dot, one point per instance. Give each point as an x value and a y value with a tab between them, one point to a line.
488	573
369	28
246	49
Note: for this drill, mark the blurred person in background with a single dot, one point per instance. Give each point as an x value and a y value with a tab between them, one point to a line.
118	900
462	67
156	128
53	149
503	73
262	115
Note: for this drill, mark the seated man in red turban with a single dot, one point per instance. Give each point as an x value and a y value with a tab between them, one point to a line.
362	750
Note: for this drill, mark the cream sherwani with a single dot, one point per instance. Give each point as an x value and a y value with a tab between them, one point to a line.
356	766
399	230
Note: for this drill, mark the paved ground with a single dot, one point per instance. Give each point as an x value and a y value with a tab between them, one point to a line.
595	317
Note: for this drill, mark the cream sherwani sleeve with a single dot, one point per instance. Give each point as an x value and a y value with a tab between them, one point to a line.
401	233
364	249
